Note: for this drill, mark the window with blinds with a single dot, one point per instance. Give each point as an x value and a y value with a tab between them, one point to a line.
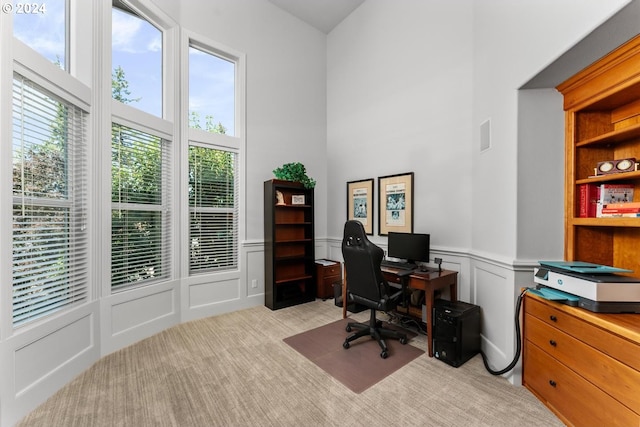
140	216
50	238
213	210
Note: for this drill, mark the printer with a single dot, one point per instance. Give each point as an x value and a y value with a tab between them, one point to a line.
594	287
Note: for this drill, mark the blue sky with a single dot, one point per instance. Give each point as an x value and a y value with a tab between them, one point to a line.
137	48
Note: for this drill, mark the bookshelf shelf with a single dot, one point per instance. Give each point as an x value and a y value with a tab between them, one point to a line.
606	222
609	178
613	137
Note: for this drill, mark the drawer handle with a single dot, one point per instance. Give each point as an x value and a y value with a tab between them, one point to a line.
552	383
553	343
553	318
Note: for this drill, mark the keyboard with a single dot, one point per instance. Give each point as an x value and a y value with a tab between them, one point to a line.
398	264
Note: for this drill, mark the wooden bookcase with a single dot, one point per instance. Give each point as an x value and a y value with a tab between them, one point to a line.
584	365
602	114
289	245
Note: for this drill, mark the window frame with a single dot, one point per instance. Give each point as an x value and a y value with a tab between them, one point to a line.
163	127
59	83
198	137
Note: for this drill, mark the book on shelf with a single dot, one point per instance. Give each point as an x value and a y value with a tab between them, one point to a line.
620	215
613	193
626	205
588	200
606	209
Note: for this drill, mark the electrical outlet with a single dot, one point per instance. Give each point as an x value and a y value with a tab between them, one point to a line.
254	283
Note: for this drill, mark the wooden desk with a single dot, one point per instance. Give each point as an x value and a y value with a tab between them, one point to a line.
428	281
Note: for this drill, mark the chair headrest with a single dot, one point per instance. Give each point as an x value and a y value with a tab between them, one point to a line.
354	234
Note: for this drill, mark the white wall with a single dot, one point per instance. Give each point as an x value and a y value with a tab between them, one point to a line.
399	100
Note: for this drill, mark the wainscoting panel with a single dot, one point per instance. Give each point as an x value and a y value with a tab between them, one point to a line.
254	268
208	293
40	357
133	313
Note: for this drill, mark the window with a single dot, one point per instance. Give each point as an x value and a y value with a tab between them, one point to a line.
213	210
141	144
43	27
136	60
50	241
211	92
213	160
140	220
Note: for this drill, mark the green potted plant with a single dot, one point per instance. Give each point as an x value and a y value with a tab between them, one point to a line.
294	172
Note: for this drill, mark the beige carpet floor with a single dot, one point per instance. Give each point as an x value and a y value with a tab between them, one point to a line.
236	370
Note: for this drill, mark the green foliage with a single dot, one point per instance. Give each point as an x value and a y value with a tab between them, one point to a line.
120	87
295	172
209	125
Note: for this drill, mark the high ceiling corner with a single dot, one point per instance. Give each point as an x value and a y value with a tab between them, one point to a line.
321	14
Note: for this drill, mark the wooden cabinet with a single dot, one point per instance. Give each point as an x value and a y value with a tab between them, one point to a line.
602	114
326	276
584	366
289	259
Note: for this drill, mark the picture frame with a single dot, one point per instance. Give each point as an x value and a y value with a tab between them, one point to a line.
395	203
297	199
360	203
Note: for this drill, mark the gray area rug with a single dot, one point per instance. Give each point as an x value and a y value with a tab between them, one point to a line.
360	366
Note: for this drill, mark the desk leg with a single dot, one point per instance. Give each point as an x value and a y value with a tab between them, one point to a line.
428	302
344	292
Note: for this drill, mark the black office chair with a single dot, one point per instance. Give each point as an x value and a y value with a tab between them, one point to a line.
367	286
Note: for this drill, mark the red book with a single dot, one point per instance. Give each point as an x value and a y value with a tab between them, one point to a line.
589	196
622	205
607	209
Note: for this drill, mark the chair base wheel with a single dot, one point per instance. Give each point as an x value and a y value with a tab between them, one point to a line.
346	344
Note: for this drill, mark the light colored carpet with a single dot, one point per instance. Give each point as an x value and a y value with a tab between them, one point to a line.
235	370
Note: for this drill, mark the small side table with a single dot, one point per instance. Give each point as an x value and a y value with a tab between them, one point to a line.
328	272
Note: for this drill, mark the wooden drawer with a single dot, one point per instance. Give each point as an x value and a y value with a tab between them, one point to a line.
575	400
392	278
598	337
331	270
617	379
326	276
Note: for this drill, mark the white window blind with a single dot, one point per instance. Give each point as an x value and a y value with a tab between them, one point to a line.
213	210
50	241
140	220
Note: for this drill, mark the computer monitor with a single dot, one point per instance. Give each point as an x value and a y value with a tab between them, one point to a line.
413	247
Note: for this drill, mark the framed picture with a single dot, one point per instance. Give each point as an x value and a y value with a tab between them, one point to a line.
297	199
395	203
360	203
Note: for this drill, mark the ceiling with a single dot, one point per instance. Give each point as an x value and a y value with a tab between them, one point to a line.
321	14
